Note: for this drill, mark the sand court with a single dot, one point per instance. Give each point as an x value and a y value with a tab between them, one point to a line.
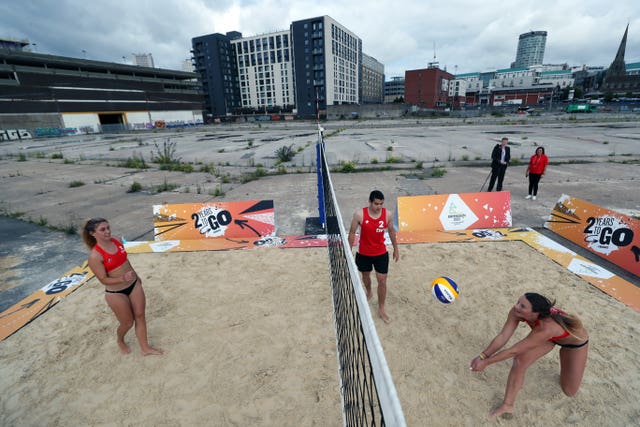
249	340
429	345
248	336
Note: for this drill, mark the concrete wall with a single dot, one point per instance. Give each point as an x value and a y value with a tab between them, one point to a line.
368	111
30	121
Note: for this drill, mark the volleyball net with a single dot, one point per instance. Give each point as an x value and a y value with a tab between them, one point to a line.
367	391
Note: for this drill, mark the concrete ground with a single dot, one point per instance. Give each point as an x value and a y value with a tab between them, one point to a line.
59	182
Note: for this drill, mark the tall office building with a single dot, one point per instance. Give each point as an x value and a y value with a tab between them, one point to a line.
394	90
372	81
142	59
530	49
187	65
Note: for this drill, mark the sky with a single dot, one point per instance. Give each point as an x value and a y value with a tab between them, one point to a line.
462	35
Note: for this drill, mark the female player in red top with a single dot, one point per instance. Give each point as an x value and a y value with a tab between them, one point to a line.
549	327
123	288
372	251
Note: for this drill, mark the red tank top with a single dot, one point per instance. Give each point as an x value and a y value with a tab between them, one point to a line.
112	261
372	234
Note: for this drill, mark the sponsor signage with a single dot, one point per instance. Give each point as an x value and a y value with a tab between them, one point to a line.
188	221
609	234
454	211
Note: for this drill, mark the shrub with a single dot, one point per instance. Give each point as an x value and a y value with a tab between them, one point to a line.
135	162
74	184
57	156
135	187
347	167
285	154
438	172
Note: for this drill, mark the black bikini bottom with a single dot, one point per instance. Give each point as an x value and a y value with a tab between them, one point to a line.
126	291
574	345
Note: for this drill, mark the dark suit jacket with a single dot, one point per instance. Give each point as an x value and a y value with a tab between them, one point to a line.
497	153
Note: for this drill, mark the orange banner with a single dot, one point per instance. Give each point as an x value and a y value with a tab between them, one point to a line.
190	221
454	211
42	300
611	235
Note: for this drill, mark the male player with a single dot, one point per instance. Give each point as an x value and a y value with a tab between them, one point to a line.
372	253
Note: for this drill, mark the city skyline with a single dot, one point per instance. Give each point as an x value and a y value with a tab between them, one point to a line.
462	37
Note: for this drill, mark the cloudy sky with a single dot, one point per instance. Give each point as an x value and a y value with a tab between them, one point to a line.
468	35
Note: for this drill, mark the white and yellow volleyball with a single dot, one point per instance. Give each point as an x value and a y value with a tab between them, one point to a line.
444	290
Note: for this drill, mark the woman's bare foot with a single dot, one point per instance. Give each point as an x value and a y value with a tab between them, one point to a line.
503	409
124	348
383	316
150	350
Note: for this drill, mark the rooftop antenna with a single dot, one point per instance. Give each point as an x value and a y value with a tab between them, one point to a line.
434	64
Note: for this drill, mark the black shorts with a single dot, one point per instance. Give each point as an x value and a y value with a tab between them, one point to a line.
367	263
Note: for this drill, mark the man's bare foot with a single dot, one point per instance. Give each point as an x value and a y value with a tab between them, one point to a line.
151	350
124	348
504	411
384	316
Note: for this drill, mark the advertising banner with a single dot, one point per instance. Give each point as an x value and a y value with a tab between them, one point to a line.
611	235
42	300
190	221
454	211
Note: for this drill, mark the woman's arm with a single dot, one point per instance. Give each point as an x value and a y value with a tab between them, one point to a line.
531	341
498	342
96	265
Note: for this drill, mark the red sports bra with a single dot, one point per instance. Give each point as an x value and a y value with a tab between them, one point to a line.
537	322
112	261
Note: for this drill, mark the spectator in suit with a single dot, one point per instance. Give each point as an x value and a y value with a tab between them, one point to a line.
500	158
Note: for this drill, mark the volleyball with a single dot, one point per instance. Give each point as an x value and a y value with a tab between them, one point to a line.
444	290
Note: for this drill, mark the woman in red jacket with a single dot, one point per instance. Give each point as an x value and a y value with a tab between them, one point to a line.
537	165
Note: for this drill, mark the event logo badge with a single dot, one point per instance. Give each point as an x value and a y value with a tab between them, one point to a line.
606	234
456	215
211	221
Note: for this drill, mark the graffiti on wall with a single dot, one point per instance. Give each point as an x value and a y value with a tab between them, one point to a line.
14	134
55	131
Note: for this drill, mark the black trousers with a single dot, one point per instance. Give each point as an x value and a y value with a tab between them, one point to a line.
534	180
497	172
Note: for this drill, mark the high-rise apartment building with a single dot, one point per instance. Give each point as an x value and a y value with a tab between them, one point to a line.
142	60
530	49
265	70
327	61
317	62
187	65
215	63
372	81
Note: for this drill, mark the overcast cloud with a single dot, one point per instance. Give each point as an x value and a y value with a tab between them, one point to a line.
468	35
